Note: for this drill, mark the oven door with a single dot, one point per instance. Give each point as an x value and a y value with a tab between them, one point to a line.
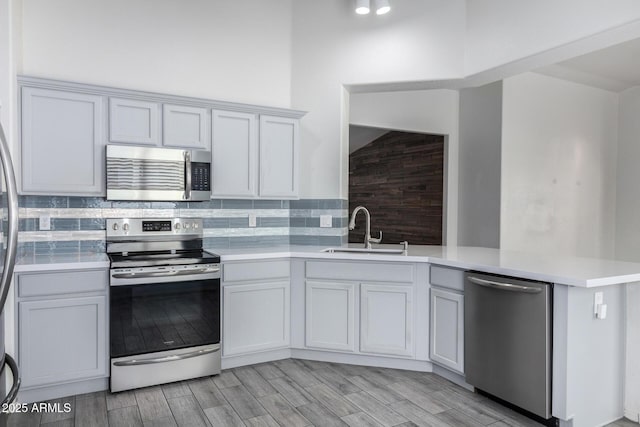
156	317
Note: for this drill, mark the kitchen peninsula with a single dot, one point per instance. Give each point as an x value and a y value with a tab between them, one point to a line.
281	294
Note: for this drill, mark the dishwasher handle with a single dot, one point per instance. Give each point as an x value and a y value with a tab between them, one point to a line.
504	286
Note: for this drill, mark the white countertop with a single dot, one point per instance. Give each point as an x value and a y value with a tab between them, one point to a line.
574	271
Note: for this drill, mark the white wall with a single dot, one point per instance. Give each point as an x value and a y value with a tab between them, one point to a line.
427	111
230	50
558	167
332	46
502	31
359	136
480	152
627	232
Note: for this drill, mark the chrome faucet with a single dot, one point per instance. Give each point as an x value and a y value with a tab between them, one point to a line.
367	237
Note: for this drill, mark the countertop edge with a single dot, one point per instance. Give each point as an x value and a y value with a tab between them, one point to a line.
68	265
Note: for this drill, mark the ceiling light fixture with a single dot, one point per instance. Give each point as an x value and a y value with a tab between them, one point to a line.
382	7
362	7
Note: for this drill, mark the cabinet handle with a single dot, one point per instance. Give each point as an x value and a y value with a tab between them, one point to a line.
187	184
12	206
8	360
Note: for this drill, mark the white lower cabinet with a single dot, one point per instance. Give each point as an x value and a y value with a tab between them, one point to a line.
256	317
330	315
447	329
386	319
62	340
61	327
362	308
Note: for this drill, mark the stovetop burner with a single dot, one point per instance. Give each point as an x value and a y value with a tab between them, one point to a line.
147	259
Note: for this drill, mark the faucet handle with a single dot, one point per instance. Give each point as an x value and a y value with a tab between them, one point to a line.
376	240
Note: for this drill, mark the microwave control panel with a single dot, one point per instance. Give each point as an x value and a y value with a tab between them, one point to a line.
200	176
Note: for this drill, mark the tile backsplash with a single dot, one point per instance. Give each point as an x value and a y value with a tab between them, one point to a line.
77	224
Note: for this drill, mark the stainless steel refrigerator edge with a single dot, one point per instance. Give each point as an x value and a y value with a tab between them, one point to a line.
507	327
8	260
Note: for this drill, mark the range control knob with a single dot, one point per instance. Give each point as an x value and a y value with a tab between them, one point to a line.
125	227
195	225
187	225
177	226
115	226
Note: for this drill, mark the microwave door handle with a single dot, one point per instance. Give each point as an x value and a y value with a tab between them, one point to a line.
187	184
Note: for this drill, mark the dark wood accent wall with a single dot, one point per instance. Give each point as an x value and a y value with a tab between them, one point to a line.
399	179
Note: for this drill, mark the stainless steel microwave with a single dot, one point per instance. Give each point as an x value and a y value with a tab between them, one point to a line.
160	174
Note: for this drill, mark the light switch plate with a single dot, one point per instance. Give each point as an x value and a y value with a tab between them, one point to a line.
252	220
44	222
325	221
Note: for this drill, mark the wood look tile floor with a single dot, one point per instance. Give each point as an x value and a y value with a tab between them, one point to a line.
289	392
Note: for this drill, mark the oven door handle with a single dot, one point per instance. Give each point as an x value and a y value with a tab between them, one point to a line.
171	358
164	273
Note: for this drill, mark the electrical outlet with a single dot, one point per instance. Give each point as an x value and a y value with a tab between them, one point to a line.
598	301
252	220
45	222
325	221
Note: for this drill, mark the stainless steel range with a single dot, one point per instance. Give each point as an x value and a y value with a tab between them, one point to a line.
164	302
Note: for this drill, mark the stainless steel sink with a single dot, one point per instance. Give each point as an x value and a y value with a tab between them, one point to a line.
384	251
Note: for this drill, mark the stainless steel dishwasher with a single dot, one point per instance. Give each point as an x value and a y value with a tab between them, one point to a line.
507	349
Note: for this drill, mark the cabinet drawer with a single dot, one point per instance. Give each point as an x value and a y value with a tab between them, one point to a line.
360	271
63	282
244	271
447	278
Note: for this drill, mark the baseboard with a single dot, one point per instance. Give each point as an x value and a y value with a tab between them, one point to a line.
38	394
633	416
229	362
364	360
454	377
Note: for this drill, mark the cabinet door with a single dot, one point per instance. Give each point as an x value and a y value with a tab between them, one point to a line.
329	315
278	157
184	127
62	142
132	121
234	154
256	317
447	329
62	340
386	319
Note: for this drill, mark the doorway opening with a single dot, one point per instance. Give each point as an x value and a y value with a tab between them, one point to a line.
399	177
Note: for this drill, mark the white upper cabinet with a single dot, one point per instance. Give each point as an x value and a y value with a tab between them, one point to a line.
135	122
185	127
234	154
278	157
62	142
65	127
254	159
